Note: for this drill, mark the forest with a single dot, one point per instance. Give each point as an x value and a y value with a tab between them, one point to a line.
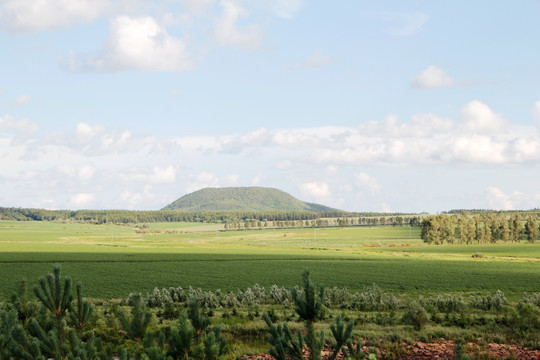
483	228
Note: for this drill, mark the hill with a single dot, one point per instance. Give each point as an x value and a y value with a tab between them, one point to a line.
242	199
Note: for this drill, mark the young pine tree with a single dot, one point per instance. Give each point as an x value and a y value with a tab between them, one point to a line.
56	299
309	307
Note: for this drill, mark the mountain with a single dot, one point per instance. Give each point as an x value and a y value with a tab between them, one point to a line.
242	199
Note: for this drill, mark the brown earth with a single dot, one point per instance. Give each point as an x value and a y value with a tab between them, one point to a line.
444	349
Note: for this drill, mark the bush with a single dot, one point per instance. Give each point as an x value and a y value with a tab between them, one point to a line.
373	299
494	301
415	315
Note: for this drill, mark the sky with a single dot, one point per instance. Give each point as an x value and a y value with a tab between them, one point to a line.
394	106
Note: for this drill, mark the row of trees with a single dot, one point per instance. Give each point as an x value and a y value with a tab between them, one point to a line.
478	229
323	222
130	216
233	220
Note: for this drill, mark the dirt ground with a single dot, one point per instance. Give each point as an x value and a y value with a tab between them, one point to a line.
444	349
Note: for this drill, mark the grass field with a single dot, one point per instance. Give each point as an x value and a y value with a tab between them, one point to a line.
112	261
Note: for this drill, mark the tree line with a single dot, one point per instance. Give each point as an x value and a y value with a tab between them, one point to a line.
479	229
235	219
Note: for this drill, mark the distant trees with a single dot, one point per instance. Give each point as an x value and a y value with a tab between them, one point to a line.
480	228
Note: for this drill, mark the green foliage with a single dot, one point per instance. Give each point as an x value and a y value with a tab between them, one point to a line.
342	334
372	298
215	345
308	305
447	303
79	317
242	198
415	315
20	302
136	325
495	301
56	299
532	298
283	344
531	228
199	321
353	351
182	339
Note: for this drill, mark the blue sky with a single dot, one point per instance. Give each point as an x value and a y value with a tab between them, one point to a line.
360	105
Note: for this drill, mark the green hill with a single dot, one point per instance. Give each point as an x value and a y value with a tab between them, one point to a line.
242	199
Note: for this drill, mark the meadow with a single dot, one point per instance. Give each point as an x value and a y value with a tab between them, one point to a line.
115	260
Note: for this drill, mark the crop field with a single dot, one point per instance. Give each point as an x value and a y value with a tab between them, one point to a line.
112	260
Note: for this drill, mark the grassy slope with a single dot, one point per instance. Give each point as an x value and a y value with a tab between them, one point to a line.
112	261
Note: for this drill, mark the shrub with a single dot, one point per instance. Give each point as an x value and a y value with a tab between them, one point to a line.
494	301
415	315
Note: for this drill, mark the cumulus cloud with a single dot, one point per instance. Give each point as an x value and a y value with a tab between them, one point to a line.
367	183
499	200
206	179
92	159
478	117
163	176
82	199
23	16
7	122
85	133
139	44
432	78
132	200
227	31
536	112
22	100
83	173
282	8
316	189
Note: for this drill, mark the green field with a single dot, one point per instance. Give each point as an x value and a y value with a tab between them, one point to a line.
112	261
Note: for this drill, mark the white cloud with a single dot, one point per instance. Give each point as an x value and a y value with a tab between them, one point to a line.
22	100
499	200
85	133
203	180
432	78
163	176
132	200
315	60
367	183
282	8
478	117
227	31
316	189
536	112
24	125
324	162
37	15
82	199
137	43
83	173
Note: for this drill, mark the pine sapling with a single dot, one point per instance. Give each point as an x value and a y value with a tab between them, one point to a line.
342	334
181	339
199	321
353	351
137	324
25	347
8	320
283	344
310	308
56	298
80	316
25	308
